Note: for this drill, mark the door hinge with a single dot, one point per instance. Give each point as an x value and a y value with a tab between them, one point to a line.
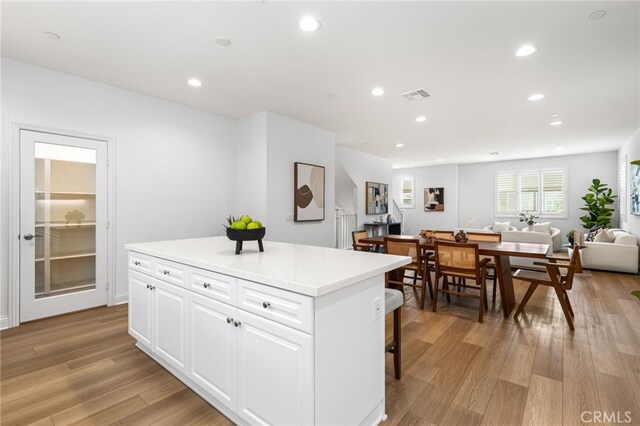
108	224
107	286
107	161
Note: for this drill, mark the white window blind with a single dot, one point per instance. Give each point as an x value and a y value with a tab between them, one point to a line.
506	193
622	190
529	188
407	193
534	191
553	192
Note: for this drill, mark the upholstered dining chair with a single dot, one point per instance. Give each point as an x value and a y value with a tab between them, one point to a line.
492	274
462	261
552	277
418	266
356	236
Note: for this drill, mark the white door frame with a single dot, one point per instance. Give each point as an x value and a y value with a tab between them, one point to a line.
13	296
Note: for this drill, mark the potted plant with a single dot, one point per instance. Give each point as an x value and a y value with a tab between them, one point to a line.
529	219
570	235
596	202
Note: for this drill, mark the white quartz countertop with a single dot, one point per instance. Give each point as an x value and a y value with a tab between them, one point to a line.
309	270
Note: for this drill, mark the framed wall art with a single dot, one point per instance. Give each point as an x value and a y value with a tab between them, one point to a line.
308	192
434	199
377	198
635	188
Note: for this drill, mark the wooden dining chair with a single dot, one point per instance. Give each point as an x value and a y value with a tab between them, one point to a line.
552	277
418	266
492	273
393	301
460	260
356	236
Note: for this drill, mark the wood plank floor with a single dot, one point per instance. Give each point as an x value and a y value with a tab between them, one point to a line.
83	368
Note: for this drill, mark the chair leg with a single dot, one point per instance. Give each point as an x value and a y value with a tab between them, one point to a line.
563	304
423	294
429	283
397	330
566	297
493	297
434	301
525	299
445	285
483	299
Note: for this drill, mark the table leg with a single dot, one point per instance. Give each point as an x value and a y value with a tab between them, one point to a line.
505	282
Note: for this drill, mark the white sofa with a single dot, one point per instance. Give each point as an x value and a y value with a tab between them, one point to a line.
527	237
556	237
620	256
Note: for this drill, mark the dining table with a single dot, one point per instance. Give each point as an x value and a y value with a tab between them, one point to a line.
501	251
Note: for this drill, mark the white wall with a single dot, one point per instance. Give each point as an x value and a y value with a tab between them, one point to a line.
630	150
363	168
446	177
251	170
289	141
172	166
346	190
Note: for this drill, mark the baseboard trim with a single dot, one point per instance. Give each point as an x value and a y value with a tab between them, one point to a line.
4	322
122	298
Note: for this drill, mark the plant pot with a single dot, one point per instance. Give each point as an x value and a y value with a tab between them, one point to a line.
240	235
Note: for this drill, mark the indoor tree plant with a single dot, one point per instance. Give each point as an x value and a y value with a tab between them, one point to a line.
596	202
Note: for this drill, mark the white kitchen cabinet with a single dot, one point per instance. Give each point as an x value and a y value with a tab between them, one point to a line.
275	372
170	323
212	347
140	312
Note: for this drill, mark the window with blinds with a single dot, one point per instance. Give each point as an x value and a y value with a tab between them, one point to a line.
534	191
407	193
622	190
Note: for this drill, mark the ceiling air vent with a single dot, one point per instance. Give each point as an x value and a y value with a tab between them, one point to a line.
415	95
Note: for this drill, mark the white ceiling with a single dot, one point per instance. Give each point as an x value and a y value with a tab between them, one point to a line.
461	52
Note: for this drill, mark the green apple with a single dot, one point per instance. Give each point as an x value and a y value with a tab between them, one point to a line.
240	225
257	222
246	219
253	225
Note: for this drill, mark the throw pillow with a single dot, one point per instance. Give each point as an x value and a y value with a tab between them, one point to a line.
592	233
501	226
604	236
542	227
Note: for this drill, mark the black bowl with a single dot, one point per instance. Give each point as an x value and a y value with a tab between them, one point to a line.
246	234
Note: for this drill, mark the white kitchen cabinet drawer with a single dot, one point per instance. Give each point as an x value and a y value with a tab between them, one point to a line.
171	272
284	307
211	284
140	263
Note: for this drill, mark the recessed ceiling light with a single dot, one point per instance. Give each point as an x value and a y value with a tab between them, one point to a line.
526	50
558	147
598	14
194	82
331	95
52	35
399	145
536	97
309	24
555	115
556	123
377	91
223	41
439	160
421	119
494	153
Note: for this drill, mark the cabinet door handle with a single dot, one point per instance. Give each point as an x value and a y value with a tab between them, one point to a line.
152	287
148	286
166	272
266	304
136	263
206	285
237	323
229	320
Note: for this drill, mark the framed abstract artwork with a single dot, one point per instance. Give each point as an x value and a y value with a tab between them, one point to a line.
308	192
377	198
434	199
635	188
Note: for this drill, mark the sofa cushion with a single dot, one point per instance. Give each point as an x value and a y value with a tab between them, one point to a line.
604	236
592	233
501	226
625	238
542	227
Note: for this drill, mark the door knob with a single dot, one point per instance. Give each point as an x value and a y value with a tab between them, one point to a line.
30	236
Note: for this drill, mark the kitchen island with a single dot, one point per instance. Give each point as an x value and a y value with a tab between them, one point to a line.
293	335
